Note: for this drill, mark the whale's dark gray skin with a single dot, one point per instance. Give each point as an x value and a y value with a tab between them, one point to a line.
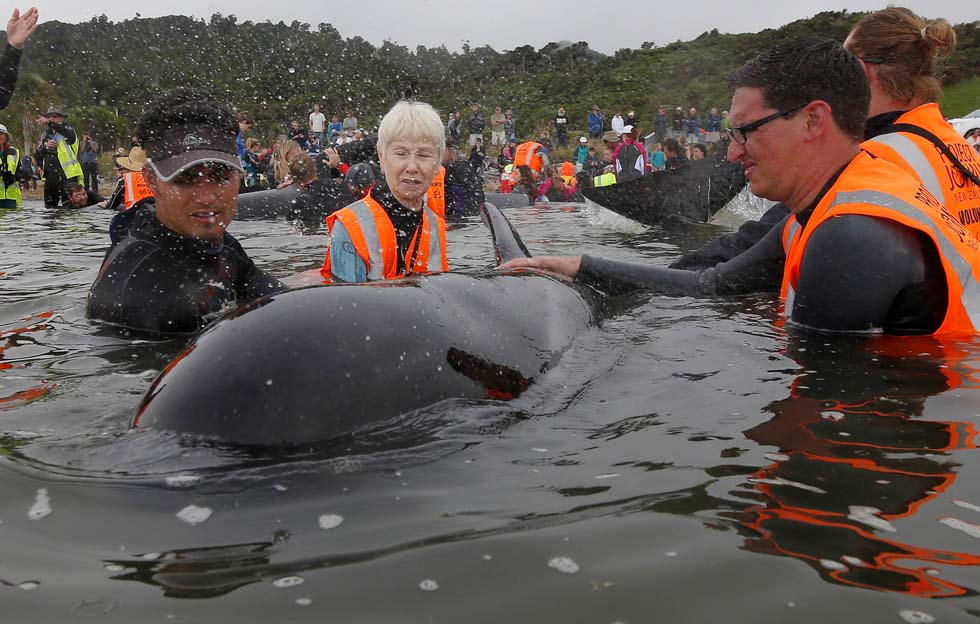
316	363
695	191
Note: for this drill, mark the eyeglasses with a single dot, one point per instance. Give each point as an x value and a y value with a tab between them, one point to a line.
740	134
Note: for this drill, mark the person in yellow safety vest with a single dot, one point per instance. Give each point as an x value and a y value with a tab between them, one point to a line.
567	172
9	165
866	247
392	232
606	178
900	52
533	155
132	187
57	156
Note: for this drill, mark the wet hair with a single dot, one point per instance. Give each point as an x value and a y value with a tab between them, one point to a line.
184	107
527	181
583	180
74	187
671	145
410	120
800	71
906	50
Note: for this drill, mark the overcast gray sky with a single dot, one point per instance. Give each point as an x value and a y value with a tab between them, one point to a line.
509	23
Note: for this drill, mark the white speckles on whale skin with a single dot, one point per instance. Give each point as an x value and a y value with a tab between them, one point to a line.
194	515
183	480
564	565
330	521
428	585
287	582
41	507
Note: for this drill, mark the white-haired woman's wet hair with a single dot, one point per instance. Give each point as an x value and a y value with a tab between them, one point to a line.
410	120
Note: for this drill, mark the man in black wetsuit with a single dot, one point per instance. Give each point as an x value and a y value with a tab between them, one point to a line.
881	252
174	267
19	30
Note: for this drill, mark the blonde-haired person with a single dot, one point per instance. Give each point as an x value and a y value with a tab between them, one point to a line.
291	164
902	55
392	232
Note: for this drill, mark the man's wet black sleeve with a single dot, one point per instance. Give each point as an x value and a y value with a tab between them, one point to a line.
861	273
728	246
757	269
9	65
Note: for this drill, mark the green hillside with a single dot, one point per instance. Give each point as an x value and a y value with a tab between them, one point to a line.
104	72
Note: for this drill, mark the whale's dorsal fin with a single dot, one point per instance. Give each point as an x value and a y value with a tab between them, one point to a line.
507	243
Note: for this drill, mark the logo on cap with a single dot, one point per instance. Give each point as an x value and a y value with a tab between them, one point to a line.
191	141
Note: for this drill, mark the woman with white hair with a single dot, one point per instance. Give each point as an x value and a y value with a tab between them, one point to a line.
391	232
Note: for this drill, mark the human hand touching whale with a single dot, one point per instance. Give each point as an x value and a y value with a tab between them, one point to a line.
565	266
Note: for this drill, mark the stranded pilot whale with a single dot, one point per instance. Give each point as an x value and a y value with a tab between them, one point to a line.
317	363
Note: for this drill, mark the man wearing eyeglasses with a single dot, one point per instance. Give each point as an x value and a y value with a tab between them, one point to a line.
174	267
865	248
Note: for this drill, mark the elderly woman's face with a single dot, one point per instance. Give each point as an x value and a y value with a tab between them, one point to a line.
409	167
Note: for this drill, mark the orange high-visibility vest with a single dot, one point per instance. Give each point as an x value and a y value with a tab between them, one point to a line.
135	188
877	188
373	237
436	197
567	173
527	154
919	156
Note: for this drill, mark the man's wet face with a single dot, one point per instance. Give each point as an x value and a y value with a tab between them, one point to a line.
78	198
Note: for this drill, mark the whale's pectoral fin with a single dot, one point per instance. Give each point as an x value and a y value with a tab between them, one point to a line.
507	243
499	381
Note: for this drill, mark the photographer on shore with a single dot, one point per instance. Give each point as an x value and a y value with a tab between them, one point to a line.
57	156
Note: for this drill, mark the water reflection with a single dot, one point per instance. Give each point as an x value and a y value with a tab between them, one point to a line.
855	456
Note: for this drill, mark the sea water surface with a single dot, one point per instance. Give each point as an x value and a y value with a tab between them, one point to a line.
688	460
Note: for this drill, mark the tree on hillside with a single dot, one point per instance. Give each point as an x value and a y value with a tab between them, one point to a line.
31	97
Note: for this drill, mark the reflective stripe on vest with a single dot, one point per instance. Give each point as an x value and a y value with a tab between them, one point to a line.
606	179
962	268
922	143
959	251
527	154
373	238
912	154
12	191
367	225
135	188
435	244
69	162
790	230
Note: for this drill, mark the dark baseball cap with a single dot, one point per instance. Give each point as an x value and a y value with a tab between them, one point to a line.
187	127
179	148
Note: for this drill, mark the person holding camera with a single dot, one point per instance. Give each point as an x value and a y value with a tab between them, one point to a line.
88	155
57	155
9	163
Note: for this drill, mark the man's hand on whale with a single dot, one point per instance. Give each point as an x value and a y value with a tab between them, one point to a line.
564	266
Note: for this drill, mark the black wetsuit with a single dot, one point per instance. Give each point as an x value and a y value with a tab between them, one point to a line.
91	198
9	66
895	274
464	191
55	180
153	280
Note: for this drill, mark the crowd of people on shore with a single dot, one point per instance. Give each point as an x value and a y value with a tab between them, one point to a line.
857	134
